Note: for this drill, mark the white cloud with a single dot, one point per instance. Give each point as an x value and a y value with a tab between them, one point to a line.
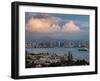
70	27
42	25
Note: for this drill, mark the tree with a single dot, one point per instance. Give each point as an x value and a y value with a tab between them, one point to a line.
70	58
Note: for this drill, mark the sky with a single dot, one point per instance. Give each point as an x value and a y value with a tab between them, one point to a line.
47	26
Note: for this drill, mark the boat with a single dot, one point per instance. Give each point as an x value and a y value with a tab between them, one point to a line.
83	49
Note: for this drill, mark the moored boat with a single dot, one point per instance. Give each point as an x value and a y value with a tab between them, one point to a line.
83	49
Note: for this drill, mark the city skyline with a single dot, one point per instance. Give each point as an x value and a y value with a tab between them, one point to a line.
57	44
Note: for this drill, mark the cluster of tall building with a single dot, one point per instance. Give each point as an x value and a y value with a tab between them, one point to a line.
57	44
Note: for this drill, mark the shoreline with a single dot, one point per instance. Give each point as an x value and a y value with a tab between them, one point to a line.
52	60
